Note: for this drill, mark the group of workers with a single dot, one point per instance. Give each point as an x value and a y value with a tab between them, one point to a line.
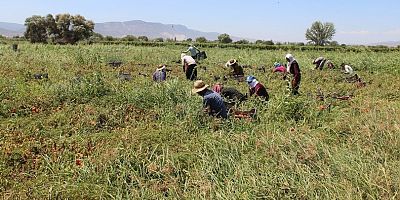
213	99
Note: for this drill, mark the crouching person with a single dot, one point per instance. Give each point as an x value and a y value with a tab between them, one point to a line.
213	104
229	93
160	74
257	88
350	75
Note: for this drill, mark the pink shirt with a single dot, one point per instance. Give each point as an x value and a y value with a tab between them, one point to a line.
280	69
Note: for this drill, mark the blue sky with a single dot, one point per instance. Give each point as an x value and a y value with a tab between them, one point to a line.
356	21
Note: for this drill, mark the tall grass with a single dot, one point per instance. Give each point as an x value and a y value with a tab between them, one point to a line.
83	133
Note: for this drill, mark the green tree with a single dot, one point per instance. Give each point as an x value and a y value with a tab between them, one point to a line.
109	38
201	40
224	38
189	40
159	40
36	29
64	28
242	42
269	42
320	33
143	38
129	38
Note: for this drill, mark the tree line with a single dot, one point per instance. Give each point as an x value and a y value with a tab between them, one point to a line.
69	29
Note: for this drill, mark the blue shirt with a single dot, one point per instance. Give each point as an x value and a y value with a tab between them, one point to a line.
216	103
159	75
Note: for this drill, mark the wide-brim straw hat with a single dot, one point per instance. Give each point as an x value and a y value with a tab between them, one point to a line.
199	86
232	62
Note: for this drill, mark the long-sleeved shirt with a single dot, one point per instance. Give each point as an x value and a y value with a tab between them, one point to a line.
188	60
159	75
193	51
295	70
280	69
259	90
215	103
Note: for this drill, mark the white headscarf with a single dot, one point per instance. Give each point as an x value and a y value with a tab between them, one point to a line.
183	55
253	83
291	60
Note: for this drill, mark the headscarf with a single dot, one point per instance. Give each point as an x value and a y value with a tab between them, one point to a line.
217	88
291	60
276	64
182	55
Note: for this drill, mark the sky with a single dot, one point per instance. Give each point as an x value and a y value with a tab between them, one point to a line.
356	21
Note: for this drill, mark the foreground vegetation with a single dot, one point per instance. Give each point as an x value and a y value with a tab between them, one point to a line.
84	133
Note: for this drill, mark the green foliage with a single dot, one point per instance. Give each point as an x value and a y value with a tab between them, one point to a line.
129	38
36	29
63	29
320	33
201	40
267	42
143	38
83	133
158	40
224	38
242	42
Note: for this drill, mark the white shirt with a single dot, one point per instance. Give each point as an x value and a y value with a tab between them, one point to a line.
189	60
348	69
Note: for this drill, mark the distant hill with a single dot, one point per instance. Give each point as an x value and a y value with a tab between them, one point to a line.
11	29
153	30
388	43
134	27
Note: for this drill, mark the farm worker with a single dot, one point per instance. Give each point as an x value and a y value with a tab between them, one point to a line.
213	104
347	69
229	92
189	67
321	61
160	74
351	76
257	88
193	51
236	69
279	68
294	69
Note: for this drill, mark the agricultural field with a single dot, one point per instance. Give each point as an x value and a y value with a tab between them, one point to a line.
84	133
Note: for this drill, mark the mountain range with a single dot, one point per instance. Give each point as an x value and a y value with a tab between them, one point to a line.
134	27
149	29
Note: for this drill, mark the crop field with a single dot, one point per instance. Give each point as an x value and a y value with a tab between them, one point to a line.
84	133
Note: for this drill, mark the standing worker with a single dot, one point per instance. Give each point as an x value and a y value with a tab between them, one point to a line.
189	67
193	51
294	69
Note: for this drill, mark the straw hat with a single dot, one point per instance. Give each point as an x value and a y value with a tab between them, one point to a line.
199	86
161	67
232	62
